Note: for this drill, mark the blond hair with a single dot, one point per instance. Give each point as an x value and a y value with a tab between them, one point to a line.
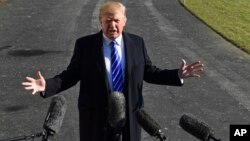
112	7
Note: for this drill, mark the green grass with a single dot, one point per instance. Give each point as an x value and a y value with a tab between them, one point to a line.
230	18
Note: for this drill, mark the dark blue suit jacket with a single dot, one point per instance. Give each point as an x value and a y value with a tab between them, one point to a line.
87	66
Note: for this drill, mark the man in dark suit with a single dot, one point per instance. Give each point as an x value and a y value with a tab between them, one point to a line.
92	65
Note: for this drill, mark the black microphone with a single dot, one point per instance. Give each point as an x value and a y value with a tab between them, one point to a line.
149	124
55	115
52	123
117	110
197	128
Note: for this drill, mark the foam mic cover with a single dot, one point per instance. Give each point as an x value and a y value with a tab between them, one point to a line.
149	124
117	110
55	115
195	127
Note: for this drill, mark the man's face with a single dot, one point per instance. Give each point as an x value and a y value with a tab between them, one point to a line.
113	24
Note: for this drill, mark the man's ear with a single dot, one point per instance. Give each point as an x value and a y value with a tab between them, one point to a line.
100	20
125	20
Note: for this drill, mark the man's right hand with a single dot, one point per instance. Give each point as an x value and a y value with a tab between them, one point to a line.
36	85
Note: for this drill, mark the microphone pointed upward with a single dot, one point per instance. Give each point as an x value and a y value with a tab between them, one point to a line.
55	115
117	110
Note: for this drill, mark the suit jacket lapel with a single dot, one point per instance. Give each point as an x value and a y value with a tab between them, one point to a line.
128	45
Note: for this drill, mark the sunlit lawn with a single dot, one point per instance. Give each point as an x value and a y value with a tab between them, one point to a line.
230	18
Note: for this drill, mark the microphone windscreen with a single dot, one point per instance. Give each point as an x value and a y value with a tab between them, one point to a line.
117	110
55	115
147	122
195	127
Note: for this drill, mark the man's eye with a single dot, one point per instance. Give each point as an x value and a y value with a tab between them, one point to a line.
108	21
117	21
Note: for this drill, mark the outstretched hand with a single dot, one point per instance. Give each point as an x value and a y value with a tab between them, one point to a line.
36	85
192	70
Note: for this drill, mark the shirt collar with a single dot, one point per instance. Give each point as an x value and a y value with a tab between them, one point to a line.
107	40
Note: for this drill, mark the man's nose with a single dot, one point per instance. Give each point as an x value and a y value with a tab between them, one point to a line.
112	24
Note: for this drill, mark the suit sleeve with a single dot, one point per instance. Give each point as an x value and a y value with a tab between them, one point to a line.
155	75
67	78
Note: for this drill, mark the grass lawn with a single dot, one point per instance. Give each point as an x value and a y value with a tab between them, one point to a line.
230	18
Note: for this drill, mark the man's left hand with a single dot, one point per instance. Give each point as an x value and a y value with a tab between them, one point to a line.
192	70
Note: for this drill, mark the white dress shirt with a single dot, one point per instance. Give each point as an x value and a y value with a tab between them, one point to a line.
107	56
